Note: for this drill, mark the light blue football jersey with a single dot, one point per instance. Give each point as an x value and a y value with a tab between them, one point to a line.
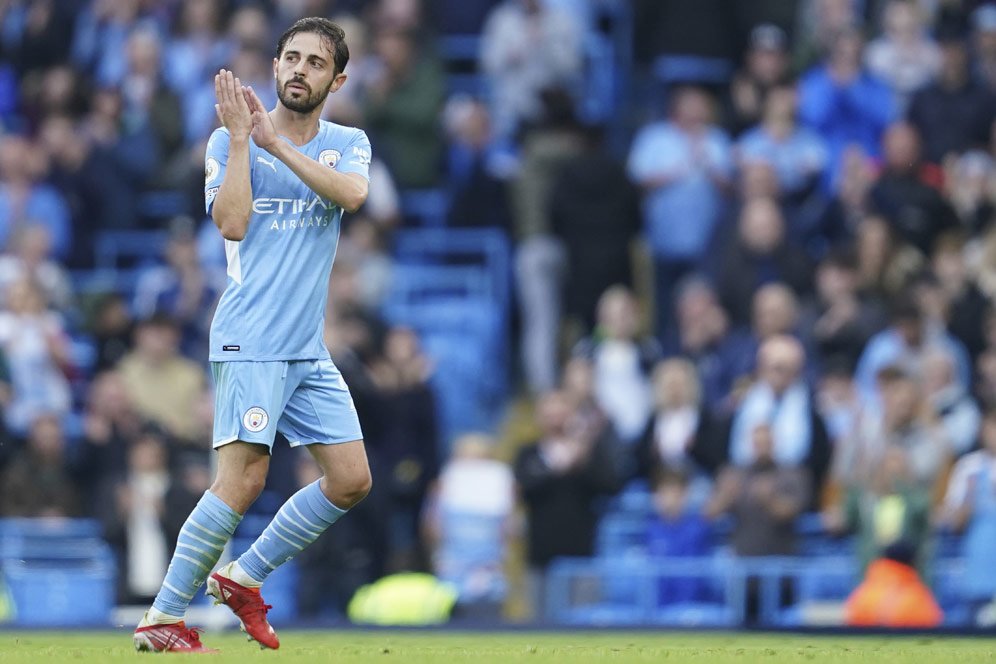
273	308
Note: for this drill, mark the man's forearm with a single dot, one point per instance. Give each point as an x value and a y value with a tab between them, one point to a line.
348	191
233	205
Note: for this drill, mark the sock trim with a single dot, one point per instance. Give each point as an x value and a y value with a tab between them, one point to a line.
287	530
317	529
216	547
202	528
170	588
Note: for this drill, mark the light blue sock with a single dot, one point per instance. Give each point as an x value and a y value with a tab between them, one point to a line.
305	516
201	541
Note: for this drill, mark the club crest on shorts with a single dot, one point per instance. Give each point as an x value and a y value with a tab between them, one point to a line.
329	158
255	419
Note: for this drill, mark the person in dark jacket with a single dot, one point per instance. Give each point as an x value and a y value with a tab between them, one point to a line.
595	212
758	254
908	192
560	476
955	112
682	433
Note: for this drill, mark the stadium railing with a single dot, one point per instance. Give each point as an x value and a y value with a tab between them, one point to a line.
713	591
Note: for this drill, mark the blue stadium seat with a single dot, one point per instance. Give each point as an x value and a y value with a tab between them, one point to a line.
460	47
163	204
452	287
132	247
946	579
671	69
59	572
590	592
426	206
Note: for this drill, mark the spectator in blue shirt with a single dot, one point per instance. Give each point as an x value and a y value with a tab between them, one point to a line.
798	154
197	48
677	529
683	165
905	343
970	508
844	103
25	199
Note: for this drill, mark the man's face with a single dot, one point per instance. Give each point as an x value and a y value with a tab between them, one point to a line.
910	331
767	65
305	73
158	342
899	400
779	371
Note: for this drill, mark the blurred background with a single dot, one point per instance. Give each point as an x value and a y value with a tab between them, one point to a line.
659	312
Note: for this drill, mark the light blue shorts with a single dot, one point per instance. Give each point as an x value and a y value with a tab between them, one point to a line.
305	400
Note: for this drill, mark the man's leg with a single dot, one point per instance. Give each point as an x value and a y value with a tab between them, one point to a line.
309	512
241	475
298	523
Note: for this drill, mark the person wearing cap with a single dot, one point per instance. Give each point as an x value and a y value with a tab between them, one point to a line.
955	112
766	63
903	56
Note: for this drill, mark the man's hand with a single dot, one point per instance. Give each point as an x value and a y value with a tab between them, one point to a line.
232	110
263	131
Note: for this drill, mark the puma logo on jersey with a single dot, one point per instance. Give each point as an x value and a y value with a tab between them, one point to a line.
272	163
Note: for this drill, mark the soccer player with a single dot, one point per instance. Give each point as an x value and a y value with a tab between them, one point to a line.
276	184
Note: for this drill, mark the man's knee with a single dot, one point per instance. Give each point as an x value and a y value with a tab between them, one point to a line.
347	491
240	490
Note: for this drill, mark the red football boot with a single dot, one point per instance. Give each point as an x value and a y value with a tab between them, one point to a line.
247	604
171	637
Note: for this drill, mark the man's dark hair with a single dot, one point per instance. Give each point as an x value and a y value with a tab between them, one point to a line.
332	36
905	309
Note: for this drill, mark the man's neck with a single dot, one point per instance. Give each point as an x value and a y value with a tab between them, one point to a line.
298	127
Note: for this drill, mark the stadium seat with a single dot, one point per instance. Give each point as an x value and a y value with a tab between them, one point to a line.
118	249
588	592
59	572
673	69
425	206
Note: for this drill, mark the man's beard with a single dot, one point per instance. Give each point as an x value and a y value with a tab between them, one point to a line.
302	104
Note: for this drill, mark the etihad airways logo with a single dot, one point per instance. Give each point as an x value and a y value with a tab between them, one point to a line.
290	205
300	213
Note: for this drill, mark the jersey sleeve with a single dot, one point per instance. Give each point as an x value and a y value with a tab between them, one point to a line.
356	158
215	162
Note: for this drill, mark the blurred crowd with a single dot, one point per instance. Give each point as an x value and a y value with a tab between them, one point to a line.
759	286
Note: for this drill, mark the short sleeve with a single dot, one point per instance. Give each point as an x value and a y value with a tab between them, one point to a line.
215	162
356	158
655	152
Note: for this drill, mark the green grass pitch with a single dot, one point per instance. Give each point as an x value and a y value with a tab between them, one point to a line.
415	647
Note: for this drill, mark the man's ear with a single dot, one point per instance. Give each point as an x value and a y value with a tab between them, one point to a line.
338	82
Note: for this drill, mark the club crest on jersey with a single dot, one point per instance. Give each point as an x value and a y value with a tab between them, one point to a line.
211	170
329	158
255	419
